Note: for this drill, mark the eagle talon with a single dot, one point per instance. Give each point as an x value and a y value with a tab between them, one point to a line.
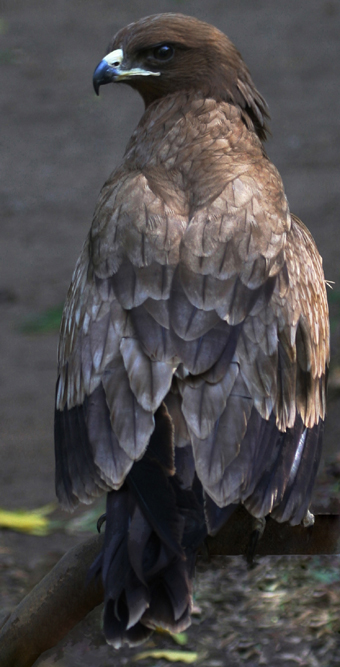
308	520
100	522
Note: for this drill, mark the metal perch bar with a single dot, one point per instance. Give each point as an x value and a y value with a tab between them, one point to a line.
52	608
64	596
279	539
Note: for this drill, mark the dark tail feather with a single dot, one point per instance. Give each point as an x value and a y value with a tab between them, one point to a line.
216	516
297	497
153	529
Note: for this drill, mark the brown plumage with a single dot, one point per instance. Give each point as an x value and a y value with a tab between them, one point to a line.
194	342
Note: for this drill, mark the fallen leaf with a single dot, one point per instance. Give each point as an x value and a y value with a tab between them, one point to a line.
180	638
34	522
188	657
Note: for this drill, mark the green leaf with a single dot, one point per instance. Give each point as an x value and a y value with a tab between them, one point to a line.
180	638
33	522
188	657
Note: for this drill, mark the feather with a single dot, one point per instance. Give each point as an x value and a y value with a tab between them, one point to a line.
286	383
275	470
186	320
145	569
112	461
104	342
154	338
215	453
77	476
158	309
157	499
240	476
202	405
203	291
216	516
131	424
296	500
200	355
149	380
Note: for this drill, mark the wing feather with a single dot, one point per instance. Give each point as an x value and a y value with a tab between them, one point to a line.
197	287
149	380
215	453
131	423
152	330
203	403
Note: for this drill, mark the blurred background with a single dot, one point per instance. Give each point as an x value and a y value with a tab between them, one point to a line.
59	142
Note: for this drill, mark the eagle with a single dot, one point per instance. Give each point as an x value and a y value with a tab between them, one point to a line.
194	341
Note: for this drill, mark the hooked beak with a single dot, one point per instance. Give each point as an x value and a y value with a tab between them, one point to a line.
107	70
110	69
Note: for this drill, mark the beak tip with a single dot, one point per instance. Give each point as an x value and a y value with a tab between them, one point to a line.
102	74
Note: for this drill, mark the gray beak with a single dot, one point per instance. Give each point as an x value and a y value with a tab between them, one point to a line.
104	73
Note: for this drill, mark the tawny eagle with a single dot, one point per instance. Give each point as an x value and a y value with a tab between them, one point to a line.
194	341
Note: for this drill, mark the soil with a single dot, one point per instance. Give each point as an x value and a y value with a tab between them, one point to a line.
59	143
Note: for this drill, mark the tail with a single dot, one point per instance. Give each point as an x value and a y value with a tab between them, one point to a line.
154	526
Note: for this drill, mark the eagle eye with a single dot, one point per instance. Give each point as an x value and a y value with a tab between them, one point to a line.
163	52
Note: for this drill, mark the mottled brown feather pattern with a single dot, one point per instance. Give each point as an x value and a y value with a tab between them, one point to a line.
228	230
196	288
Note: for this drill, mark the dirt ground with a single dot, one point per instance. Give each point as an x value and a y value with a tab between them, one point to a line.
59	143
